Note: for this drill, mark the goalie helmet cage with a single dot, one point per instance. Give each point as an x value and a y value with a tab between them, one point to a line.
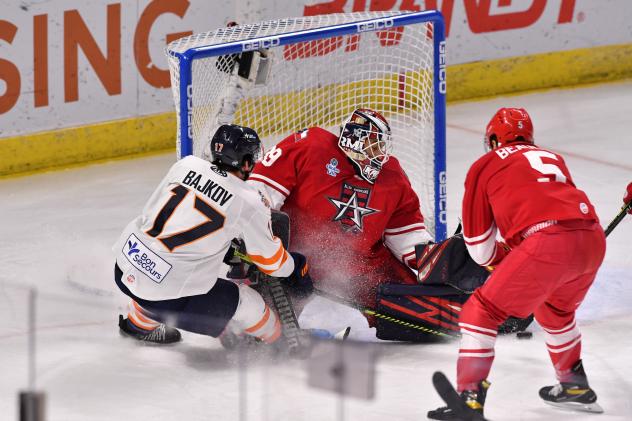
314	71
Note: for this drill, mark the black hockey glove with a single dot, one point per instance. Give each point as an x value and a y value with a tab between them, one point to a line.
299	282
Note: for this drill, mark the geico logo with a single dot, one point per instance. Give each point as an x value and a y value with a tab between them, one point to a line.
262	43
442	68
374	26
190	111
443	198
145	262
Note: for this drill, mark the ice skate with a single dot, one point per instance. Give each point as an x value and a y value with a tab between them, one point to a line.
575	395
162	334
231	341
474	399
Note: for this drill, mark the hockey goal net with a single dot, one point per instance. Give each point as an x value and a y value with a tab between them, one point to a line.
285	75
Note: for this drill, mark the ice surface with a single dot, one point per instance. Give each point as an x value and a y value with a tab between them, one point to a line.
56	230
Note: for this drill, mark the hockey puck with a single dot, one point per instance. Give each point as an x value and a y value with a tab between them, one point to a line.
524	335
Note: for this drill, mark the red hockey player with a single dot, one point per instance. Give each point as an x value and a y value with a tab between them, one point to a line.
352	209
627	197
526	195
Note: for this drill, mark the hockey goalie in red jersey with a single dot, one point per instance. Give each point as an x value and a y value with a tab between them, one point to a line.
552	246
352	209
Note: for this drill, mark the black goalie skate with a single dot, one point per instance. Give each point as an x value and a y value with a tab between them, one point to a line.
160	335
575	395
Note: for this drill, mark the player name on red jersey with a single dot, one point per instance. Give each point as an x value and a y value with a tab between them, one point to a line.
509	150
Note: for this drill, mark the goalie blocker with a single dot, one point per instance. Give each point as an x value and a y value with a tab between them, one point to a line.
447	276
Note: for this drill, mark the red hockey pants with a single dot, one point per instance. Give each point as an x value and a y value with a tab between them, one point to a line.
548	274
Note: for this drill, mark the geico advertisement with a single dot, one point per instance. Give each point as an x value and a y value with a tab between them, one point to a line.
73	62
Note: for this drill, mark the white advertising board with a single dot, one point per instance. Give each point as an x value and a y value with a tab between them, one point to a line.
68	63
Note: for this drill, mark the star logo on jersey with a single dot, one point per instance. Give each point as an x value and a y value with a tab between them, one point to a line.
352	206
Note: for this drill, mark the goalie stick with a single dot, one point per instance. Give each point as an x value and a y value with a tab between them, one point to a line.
624	211
365	310
371	312
452	399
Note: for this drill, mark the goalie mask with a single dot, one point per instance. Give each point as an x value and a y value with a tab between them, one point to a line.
233	145
366	139
508	125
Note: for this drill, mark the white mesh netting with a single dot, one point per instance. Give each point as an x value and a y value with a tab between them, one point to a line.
319	83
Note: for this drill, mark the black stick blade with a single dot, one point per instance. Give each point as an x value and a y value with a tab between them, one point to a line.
452	399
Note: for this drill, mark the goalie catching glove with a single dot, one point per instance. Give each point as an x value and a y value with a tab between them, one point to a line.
449	264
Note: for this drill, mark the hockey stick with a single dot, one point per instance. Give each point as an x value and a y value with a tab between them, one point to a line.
285	310
622	213
370	312
452	399
283	306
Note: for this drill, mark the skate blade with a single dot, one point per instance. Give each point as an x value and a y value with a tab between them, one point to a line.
593	408
141	342
342	335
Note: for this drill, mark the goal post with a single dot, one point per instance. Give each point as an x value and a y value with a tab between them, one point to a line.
313	71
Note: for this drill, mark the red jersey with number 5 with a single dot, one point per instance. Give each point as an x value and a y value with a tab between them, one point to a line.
511	189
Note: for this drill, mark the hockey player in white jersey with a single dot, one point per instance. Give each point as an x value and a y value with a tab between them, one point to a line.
170	258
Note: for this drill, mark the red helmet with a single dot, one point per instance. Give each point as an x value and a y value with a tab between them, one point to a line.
508	125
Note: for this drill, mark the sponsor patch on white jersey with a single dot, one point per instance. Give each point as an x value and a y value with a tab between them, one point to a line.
145	260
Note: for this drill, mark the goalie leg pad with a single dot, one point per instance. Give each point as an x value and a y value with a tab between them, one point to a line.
436	313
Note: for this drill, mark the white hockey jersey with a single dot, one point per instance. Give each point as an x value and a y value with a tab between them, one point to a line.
176	247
